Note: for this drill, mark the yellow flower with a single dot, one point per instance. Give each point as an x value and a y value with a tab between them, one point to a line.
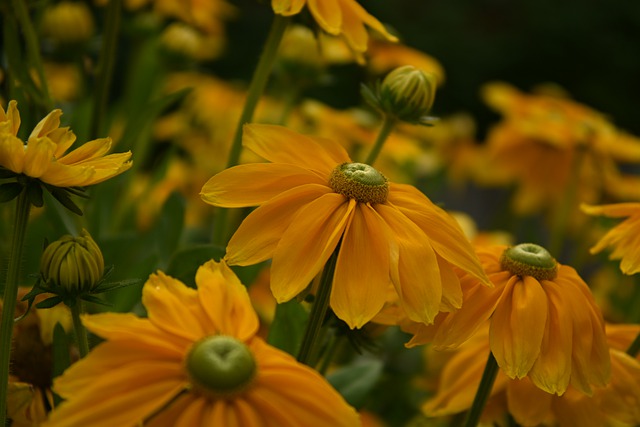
623	237
43	156
337	17
544	327
311	197
617	404
194	361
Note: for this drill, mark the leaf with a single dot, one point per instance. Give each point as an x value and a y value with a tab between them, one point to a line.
354	382
288	327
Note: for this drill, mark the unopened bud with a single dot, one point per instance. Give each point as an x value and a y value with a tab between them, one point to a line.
408	93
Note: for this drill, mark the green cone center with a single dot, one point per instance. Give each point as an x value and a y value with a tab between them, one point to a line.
528	259
220	365
361	182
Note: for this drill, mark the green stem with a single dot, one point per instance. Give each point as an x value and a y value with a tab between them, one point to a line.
334	344
387	126
256	88
484	391
105	67
634	348
80	331
319	310
10	295
33	47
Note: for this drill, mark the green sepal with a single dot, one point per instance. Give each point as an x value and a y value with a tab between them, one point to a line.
95	300
34	193
105	287
369	96
62	196
9	191
50	302
6	173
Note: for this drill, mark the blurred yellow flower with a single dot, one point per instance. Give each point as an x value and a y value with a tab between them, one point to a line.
314	199
546	328
623	238
385	56
194	361
337	17
43	155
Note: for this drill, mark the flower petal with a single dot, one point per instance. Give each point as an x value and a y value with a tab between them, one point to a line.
614	210
518	325
47	125
307	244
528	405
38	156
353	28
287	7
11	153
328	15
254	184
362	270
278	144
363	16
87	151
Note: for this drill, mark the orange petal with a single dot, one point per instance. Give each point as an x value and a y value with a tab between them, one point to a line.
281	145
307	244
11	153
254	184
451	290
38	156
327	14
528	405
353	28
518	325
287	7
614	210
368	19
362	270
414	269
196	413
257	237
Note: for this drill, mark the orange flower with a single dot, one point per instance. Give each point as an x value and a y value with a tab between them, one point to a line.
311	197
543	326
194	361
623	237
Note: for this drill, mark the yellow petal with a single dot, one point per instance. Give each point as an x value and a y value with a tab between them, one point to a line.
60	175
362	270
195	413
38	156
353	28
614	210
327	14
11	117
254	184
257	237
368	19
278	144
307	244
414	268
518	325
87	151
287	7
443	231
225	301
11	153
47	125
528	405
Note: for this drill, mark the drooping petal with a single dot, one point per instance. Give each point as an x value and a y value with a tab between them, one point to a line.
451	290
11	153
257	237
307	244
225	301
353	28
518	325
278	144
414	269
38	156
362	15
528	405
328	15
254	184
362	270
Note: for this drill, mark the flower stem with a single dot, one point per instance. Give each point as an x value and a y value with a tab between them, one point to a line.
105	67
319	310
23	207
484	391
387	126
78	327
634	348
256	88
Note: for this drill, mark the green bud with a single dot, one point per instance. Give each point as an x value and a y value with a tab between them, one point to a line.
73	263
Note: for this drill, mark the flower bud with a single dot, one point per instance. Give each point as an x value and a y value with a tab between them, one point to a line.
73	263
407	93
68	22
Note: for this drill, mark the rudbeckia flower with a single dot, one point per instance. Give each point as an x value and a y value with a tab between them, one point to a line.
44	156
313	199
195	361
623	237
545	324
337	17
617	404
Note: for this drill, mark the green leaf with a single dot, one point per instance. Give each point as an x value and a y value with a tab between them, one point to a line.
288	327
354	382
9	191
169	226
184	263
61	356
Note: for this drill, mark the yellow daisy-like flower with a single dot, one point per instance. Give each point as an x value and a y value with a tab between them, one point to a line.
314	198
623	237
195	361
545	324
337	17
43	155
617	404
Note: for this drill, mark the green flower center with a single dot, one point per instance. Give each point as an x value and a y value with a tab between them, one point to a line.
220	365
361	182
528	259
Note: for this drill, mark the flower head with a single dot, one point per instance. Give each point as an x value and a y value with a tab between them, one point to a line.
194	361
623	237
313	199
44	155
545	324
337	17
